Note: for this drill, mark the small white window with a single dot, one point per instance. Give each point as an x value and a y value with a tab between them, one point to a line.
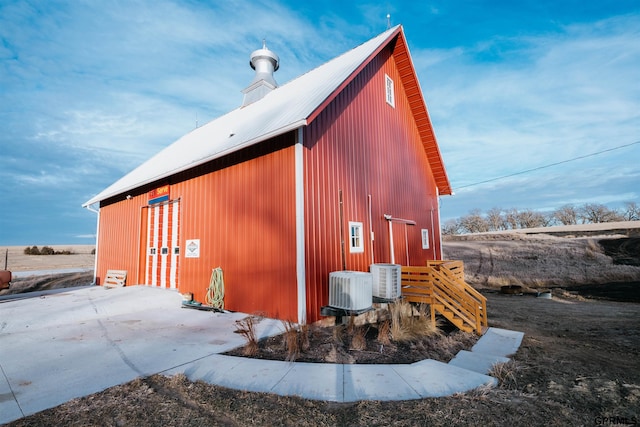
356	242
425	238
390	93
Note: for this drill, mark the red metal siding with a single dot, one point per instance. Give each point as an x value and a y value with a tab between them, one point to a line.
118	238
244	216
360	146
242	208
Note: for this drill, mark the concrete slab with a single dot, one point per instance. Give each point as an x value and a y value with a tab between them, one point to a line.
431	378
319	381
9	409
499	342
253	374
477	362
94	338
375	382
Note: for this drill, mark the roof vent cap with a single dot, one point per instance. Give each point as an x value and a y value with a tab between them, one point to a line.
265	63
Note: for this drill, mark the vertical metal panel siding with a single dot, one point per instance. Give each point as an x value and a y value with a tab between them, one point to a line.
244	216
243	212
363	146
119	238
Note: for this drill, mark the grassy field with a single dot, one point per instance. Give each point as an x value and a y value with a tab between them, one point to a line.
17	260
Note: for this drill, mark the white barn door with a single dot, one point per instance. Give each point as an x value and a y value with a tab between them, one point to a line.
163	252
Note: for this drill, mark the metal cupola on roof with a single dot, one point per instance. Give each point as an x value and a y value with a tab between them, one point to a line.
265	62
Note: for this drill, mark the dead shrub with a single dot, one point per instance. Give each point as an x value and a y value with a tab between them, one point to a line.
399	331
422	322
384	332
505	373
305	343
359	338
351	325
338	335
246	328
292	343
409	323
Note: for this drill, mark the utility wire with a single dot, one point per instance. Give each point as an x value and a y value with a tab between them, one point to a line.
549	165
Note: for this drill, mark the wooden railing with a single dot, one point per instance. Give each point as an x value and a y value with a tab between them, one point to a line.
441	284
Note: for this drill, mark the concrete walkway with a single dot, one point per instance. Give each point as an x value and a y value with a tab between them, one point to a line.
61	346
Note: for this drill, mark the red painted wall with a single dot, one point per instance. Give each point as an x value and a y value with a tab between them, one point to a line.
242	209
360	146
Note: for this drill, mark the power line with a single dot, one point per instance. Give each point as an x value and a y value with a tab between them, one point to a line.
549	165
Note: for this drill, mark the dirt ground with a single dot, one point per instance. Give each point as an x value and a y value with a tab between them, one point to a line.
579	362
350	344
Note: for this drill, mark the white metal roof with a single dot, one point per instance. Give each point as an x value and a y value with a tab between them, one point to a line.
283	109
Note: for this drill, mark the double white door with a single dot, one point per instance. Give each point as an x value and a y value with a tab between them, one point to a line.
163	250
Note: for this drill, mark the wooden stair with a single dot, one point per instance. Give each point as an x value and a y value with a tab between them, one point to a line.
441	285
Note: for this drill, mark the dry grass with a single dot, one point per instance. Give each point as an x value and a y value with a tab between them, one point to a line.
305	343
339	333
409	323
399	330
17	260
291	340
506	374
359	338
246	328
537	261
384	332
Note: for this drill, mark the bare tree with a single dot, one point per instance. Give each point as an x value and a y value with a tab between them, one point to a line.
511	218
549	219
530	219
495	220
631	211
474	222
452	227
566	215
597	213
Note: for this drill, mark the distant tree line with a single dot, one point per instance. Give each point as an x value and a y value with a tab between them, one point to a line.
45	250
497	219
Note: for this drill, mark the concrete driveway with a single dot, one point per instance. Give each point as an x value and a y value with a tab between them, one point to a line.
60	346
56	347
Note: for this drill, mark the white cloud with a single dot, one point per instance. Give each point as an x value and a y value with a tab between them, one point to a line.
550	98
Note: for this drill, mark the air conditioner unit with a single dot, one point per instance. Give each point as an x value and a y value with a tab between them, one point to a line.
387	280
350	290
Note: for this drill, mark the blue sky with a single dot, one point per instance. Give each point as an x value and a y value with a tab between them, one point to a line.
91	89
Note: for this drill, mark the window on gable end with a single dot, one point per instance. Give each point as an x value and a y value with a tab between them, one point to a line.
425	238
390	91
356	241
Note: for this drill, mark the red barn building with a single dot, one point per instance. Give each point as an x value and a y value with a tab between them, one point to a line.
335	170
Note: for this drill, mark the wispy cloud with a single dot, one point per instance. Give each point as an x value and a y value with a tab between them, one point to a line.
542	99
92	89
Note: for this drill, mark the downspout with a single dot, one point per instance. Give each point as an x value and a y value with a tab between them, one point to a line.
373	261
301	275
95	258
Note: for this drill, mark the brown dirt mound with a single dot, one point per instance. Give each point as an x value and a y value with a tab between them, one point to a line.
625	251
